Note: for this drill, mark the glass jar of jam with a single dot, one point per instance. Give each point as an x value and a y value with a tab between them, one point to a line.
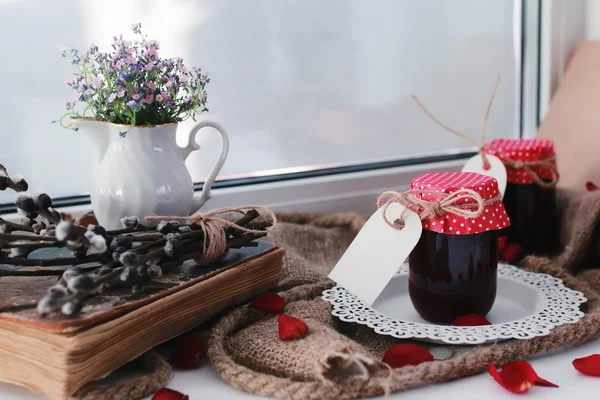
530	205
453	266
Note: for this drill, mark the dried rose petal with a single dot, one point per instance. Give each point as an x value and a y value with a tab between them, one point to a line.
517	377
512	252
169	394
542	382
589	365
269	302
470	320
402	355
291	328
501	243
187	352
86	220
591	186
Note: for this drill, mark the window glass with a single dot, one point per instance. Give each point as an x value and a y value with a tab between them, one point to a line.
297	84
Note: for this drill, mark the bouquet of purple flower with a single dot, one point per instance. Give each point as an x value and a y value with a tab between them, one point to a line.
132	85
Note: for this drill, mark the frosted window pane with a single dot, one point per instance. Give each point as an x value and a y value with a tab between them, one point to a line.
297	84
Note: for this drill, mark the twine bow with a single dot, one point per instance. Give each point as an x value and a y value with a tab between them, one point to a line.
507	161
450	203
527	166
215	238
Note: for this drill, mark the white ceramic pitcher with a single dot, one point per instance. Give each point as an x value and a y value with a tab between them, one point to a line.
141	171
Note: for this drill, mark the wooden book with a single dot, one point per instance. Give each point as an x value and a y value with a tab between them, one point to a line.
58	355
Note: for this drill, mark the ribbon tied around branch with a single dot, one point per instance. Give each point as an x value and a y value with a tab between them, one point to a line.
212	225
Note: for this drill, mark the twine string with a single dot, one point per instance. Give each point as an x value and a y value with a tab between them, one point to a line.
506	160
465	203
527	166
215	239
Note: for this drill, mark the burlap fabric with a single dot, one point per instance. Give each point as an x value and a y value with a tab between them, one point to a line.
341	361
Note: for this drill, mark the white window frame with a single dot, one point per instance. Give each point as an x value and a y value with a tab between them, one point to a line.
563	27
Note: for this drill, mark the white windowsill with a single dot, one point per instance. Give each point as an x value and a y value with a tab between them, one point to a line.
355	191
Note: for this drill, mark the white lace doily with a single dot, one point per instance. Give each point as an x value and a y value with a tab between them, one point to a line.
550	302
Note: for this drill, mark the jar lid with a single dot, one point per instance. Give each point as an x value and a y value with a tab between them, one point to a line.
492	217
527	150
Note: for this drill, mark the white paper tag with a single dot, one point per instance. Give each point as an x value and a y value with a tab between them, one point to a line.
376	253
497	169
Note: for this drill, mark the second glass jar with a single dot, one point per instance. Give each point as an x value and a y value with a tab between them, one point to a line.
530	206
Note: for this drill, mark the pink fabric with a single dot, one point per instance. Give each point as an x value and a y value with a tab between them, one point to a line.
493	216
524	150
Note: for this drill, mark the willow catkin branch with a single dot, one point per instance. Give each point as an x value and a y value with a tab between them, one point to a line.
34	246
9	237
12	226
48	262
138	228
17	307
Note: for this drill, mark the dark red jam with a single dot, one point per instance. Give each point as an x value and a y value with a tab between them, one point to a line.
453	275
530	207
532	212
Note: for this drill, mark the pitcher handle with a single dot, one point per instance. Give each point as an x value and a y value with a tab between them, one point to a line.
205	195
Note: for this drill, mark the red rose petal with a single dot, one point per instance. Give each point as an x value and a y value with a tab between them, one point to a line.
517	377
511	253
269	302
291	328
169	394
470	320
591	187
187	352
589	365
402	355
501	243
542	382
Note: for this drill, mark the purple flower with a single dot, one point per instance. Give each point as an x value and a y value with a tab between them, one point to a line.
150	53
137	78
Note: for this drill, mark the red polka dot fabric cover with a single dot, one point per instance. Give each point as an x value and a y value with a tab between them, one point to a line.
524	150
493	217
